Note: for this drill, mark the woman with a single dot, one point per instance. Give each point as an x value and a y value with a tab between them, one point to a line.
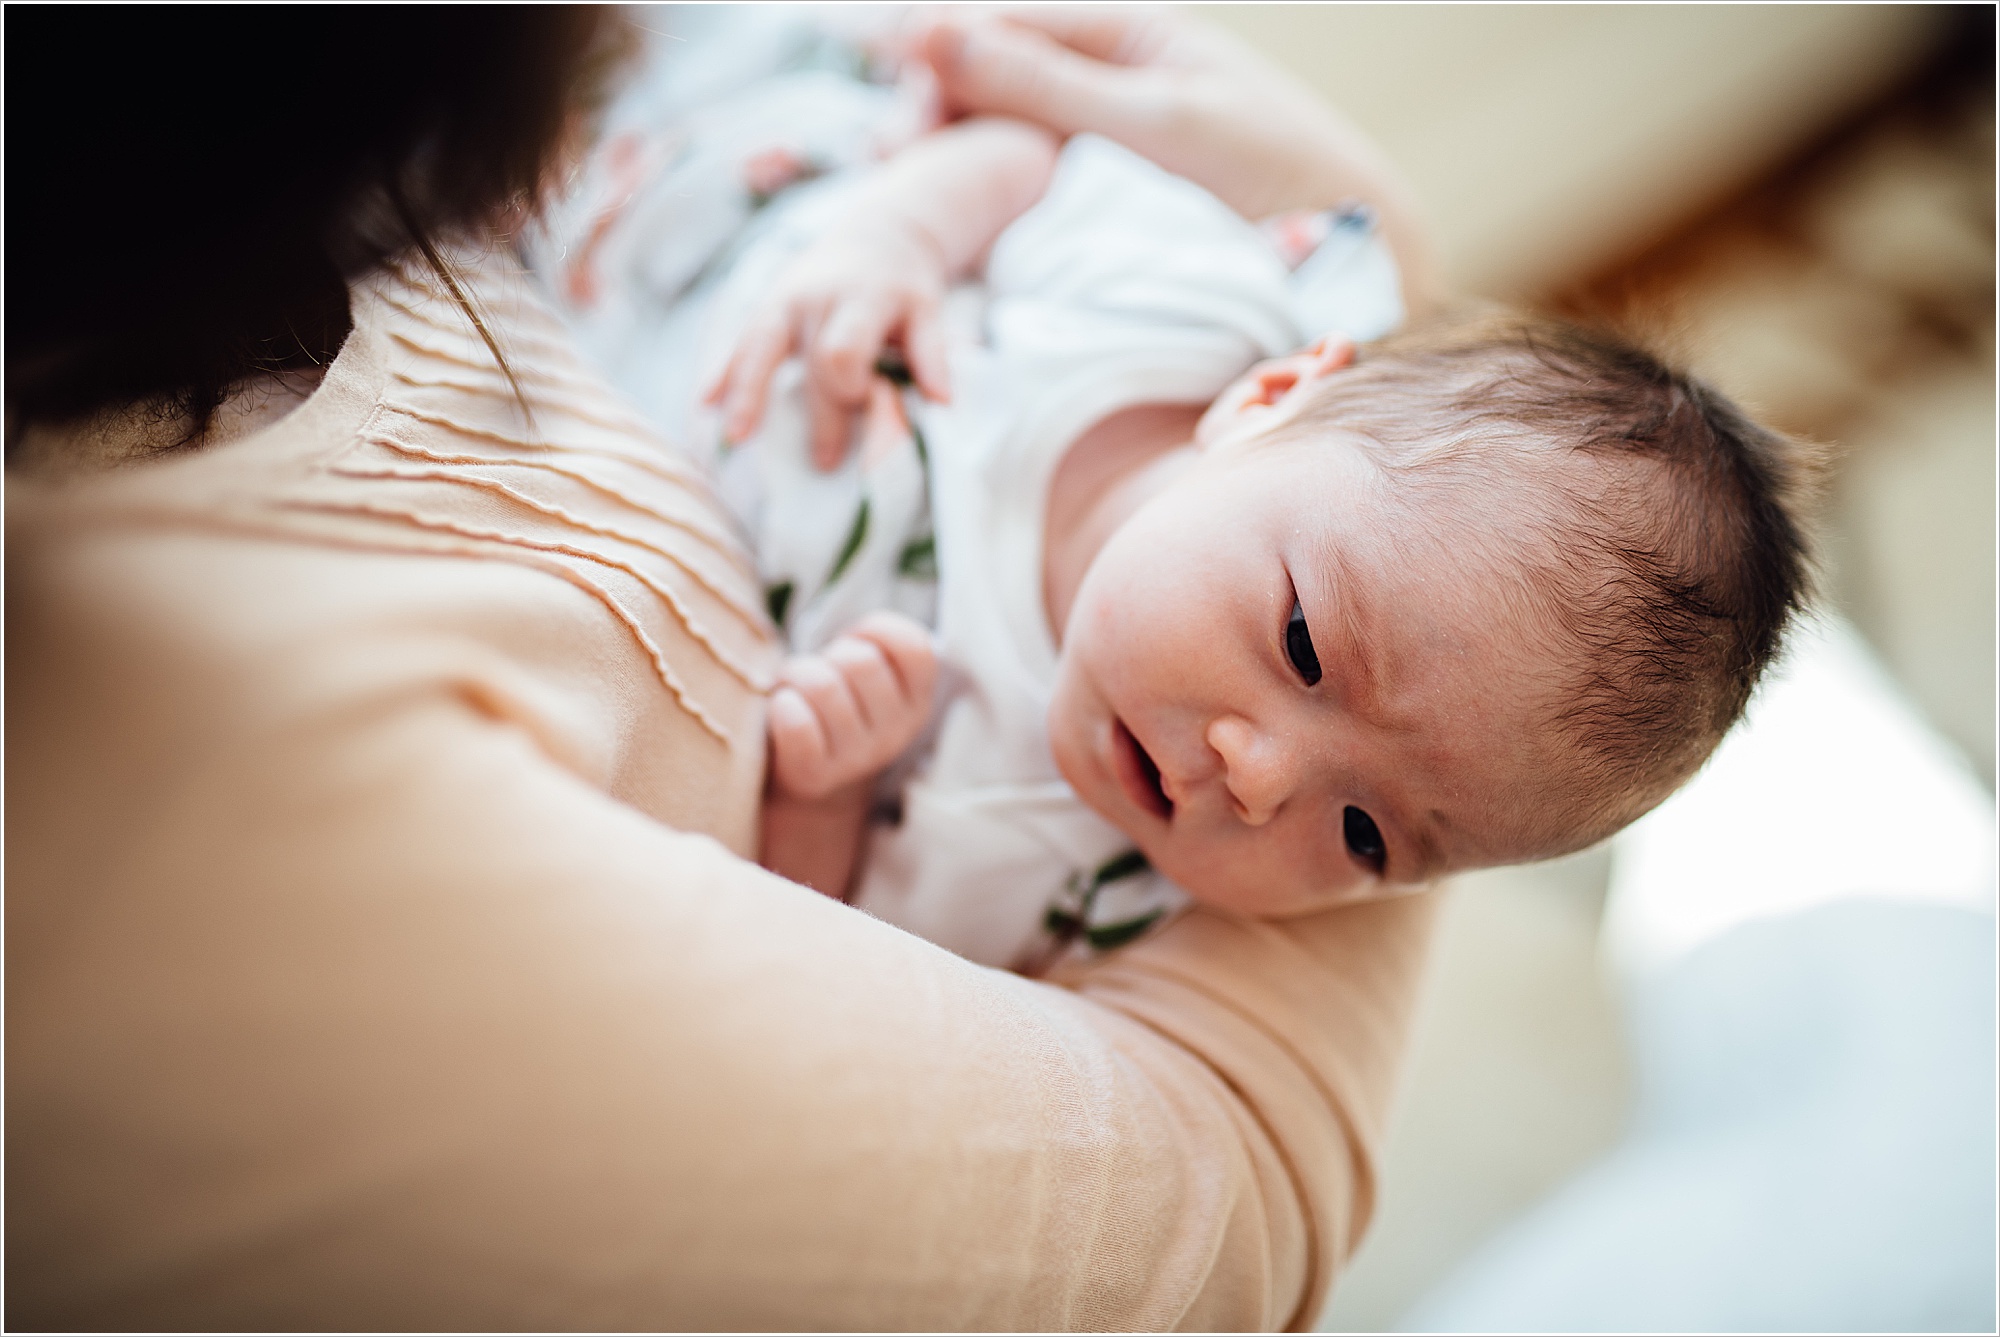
385	747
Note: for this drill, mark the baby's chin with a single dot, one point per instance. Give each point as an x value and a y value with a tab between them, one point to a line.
1265	902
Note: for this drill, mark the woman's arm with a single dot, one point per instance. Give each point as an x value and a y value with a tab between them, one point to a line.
336	1001
1190	97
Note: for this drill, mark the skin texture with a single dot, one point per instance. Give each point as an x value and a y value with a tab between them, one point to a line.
836	720
878	277
1426	716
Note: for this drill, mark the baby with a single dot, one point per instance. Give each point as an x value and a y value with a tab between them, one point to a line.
1145	567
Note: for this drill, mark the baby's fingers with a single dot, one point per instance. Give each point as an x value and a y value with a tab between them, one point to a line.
799	747
924	351
838	368
745	382
831	424
878	690
909	649
840	756
889	663
844	350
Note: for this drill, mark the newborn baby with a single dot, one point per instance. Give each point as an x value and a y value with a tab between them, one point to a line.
1477	593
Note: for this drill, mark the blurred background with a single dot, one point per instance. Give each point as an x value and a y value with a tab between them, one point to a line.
1798	201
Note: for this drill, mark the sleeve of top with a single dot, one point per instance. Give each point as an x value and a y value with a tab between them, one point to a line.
413	1028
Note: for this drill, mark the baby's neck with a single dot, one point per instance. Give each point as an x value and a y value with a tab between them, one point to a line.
1106	475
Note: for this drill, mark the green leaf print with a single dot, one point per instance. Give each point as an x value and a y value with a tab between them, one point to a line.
1129	864
855	537
1062	924
918	560
1104	937
778	599
894	368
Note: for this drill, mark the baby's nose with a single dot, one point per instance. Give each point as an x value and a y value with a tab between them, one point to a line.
1256	768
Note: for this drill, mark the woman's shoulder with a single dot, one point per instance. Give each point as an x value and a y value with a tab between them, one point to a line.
411	527
185	652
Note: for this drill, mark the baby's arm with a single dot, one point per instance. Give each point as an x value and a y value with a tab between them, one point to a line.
836	720
1194	99
922	220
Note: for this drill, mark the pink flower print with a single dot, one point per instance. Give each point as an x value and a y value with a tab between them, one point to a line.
768	171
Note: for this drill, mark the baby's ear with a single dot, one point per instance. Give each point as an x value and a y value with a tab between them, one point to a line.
1331	352
1271	382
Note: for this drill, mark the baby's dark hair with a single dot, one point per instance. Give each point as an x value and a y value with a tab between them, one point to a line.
1673	560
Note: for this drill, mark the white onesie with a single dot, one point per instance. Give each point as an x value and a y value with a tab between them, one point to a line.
1124	285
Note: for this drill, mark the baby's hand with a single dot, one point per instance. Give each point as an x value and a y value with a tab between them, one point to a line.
840	716
838	305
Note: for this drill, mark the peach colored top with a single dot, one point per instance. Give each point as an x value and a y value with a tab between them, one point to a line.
381	950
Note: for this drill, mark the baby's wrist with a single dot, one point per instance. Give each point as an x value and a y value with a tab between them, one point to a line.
909	242
816	841
841	797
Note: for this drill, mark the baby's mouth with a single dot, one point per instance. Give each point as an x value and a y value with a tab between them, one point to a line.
1138	775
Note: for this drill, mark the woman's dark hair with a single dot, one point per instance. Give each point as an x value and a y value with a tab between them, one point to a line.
190	188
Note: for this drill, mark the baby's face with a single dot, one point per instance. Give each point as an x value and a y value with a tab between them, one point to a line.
1286	702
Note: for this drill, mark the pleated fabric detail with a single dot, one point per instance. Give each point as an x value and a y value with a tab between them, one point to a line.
575	485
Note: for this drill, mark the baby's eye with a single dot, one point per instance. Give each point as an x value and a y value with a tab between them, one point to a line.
1364	838
1299	647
